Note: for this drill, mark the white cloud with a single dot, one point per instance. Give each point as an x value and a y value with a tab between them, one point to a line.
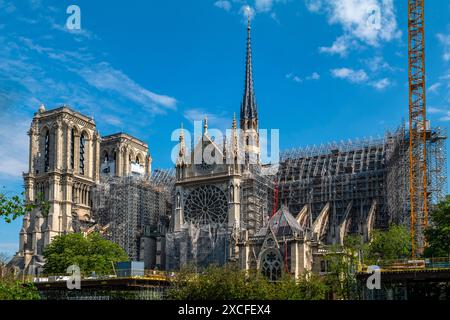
314	76
381	84
443	113
445	41
215	120
251	8
359	76
298	79
223	4
13	148
112	120
83	32
340	46
435	87
313	5
263	5
104	77
435	110
247	11
377	64
101	75
369	21
445	118
274	17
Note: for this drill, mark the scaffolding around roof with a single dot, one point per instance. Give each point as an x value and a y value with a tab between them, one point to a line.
359	176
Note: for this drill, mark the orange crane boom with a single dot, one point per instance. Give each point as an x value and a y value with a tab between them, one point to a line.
417	125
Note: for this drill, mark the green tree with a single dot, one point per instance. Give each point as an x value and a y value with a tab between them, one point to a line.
92	254
229	282
342	265
308	287
4	258
438	234
11	289
14	290
393	244
12	207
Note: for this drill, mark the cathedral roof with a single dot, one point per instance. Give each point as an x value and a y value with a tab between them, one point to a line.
282	223
123	135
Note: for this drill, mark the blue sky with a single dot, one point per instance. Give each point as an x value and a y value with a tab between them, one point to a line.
321	72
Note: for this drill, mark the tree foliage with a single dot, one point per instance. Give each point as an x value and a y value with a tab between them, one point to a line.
15	290
92	254
11	289
15	206
438	234
342	265
393	244
229	282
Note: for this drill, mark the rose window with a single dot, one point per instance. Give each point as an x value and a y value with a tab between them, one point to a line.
206	205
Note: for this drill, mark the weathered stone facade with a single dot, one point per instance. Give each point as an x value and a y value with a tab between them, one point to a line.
65	165
63	168
122	155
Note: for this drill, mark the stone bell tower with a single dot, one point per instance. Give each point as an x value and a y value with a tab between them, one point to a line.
63	168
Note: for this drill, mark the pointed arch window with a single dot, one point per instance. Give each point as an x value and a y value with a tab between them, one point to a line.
47	151
82	153
272	265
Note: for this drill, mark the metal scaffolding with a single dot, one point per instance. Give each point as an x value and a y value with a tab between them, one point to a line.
136	211
356	178
256	199
437	164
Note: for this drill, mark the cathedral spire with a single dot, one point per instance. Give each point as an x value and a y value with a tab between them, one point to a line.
249	114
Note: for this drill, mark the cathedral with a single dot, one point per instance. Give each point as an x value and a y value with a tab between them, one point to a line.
219	204
224	210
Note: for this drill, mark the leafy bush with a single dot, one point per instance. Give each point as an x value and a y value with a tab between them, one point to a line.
231	283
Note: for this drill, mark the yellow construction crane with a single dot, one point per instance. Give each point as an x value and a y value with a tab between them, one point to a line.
417	125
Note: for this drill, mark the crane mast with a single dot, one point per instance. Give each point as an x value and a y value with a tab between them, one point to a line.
417	125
